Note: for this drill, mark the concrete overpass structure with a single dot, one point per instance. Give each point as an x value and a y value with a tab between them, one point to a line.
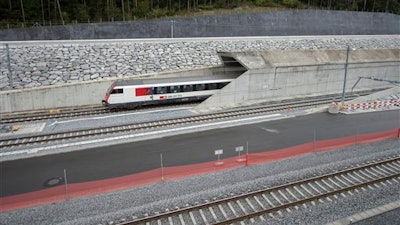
279	75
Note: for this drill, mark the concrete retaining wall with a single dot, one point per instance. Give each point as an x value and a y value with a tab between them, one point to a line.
280	23
53	97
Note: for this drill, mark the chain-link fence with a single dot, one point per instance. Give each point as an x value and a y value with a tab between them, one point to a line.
297	22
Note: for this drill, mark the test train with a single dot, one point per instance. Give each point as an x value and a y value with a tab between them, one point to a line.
135	93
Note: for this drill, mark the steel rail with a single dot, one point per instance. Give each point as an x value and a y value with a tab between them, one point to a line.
300	202
72	112
394	173
52	114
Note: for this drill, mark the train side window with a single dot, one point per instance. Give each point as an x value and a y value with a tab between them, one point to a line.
161	90
117	91
187	88
173	89
200	87
221	85
212	86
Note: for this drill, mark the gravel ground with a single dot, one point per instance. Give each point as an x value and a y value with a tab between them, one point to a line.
391	217
113	207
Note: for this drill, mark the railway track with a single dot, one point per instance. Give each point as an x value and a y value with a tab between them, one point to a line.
260	205
49	114
72	112
46	138
52	114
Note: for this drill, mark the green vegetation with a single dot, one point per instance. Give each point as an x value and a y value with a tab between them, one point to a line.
18	13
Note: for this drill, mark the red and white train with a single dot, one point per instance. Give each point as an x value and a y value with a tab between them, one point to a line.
135	93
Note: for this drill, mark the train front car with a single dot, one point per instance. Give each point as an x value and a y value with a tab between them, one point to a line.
127	94
116	96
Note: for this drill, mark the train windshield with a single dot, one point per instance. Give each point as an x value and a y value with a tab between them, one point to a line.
117	91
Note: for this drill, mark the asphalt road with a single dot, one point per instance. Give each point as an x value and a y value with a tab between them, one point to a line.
26	175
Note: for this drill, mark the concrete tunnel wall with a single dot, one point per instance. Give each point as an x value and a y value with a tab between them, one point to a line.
277	75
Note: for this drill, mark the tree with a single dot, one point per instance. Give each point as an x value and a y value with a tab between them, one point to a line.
67	11
23	13
59	10
42	6
123	10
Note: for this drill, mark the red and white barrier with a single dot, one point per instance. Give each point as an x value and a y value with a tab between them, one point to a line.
372	105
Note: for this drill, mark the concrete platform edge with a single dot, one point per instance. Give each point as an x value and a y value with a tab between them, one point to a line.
367	214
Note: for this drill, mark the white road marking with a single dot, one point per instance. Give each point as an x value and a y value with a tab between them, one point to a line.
269	130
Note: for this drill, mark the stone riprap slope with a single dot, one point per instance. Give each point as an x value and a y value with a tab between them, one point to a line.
34	64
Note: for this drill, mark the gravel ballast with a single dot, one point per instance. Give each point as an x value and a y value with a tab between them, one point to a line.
111	208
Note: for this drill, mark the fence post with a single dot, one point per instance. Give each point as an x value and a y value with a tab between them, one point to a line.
162	168
357	133
172	28
314	140
66	184
247	153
